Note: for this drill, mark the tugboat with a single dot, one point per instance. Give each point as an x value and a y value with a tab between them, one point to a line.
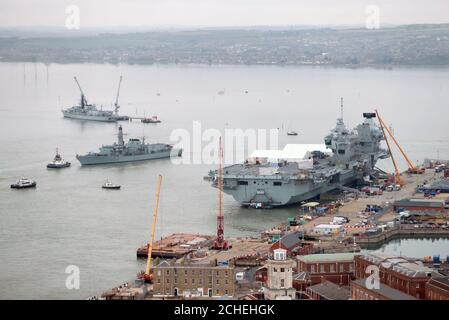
153	119
24	183
110	185
58	162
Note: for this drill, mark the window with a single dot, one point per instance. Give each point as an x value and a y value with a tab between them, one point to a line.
158	280
218	281
332	268
168	272
168	280
282	270
321	268
350	267
282	283
193	281
341	267
242	183
185	272
277	183
312	268
185	281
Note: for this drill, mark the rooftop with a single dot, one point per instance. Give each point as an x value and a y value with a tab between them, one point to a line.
330	291
405	266
328	257
386	291
419	202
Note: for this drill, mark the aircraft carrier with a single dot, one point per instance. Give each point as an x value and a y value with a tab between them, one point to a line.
266	182
133	150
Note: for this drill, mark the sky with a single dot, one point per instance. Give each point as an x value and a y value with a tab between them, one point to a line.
132	13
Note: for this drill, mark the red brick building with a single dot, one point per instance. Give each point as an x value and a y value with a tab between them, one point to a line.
360	291
334	267
328	291
438	289
407	276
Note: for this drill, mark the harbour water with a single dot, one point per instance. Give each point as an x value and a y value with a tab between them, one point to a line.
416	247
70	220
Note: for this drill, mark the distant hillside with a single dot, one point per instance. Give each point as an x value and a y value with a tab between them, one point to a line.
402	45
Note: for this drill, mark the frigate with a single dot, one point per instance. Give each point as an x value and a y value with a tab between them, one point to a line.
350	155
133	150
87	111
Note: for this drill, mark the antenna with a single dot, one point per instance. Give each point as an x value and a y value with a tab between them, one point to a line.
341	107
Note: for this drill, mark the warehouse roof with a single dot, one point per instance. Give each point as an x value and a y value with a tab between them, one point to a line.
419	203
328	257
330	291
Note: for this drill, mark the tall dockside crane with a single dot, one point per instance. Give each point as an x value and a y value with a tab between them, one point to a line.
412	169
147	276
117	106
220	243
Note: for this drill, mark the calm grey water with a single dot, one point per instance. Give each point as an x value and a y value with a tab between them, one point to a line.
416	248
70	220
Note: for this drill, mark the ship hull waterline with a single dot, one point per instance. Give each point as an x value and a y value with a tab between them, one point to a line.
99	159
88	118
289	196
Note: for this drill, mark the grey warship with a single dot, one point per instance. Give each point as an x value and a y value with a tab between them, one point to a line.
133	150
352	156
87	111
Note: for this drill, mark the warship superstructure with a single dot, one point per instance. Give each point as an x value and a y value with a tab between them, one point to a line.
133	150
264	182
87	111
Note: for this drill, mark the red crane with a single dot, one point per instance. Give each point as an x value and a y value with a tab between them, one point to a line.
220	243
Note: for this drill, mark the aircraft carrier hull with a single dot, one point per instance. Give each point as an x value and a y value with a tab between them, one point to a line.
292	191
97	159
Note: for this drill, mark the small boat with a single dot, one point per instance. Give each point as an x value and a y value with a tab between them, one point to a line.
153	119
292	133
24	183
110	185
58	162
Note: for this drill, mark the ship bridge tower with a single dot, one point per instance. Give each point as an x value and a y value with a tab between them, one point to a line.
121	142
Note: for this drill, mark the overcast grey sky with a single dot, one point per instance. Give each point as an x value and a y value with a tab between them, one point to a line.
98	13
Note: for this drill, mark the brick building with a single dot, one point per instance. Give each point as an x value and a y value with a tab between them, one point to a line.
406	275
193	279
292	242
438	289
328	291
360	291
334	267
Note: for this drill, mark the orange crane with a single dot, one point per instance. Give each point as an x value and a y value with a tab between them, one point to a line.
147	276
412	169
220	243
396	169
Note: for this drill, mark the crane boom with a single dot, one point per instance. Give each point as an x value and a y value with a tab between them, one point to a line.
396	169
410	164
118	93
83	97
153	228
